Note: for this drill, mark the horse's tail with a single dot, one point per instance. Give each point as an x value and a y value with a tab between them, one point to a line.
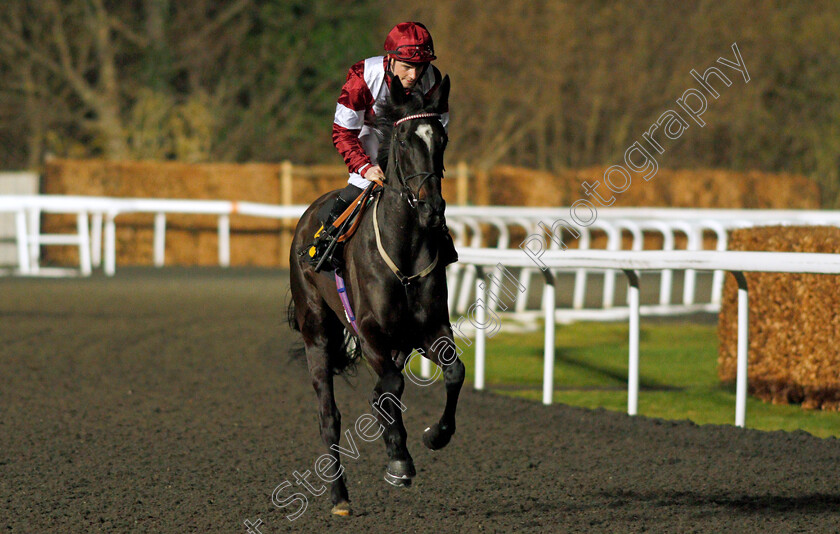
297	352
291	316
349	356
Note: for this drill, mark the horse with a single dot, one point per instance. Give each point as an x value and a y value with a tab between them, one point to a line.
394	313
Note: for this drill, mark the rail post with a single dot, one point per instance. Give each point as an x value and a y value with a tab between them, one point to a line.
548	348
110	244
743	347
224	240
22	241
96	239
286	225
160	239
633	362
462	173
84	243
480	335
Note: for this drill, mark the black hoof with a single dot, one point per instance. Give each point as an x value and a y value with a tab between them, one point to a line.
399	473
437	436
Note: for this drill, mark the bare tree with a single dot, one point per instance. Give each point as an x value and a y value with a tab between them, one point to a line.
85	64
74	43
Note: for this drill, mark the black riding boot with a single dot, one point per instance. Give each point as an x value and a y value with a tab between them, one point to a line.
327	232
446	248
325	235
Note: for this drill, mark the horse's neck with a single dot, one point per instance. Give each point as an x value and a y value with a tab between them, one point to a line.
403	239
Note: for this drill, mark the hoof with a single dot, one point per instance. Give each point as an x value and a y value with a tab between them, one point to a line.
400	482
437	436
342	509
399	473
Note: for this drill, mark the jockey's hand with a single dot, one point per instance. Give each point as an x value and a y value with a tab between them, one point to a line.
374	172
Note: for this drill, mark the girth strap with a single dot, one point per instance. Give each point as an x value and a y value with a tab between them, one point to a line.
406	280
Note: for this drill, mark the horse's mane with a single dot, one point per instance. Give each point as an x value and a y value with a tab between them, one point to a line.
388	114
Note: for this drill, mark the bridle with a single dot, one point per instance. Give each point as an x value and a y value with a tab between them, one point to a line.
411	197
413	201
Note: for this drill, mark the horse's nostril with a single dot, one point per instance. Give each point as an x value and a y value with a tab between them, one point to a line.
436	220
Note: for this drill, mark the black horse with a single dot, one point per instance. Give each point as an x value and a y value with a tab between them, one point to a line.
399	307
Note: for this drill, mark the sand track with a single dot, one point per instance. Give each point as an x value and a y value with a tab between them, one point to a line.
165	401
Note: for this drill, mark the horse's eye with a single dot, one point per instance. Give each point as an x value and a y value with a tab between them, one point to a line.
402	143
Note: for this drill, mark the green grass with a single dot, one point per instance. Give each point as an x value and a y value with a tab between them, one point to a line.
677	375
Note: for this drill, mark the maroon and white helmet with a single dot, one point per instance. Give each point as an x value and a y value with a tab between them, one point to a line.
411	42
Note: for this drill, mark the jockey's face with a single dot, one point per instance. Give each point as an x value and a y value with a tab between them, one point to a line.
408	73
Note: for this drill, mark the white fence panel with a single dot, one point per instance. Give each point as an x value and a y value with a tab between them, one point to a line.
736	262
13	183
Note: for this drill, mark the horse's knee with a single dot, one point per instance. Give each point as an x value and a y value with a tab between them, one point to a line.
393	383
320	378
330	419
386	403
389	388
454	373
335	418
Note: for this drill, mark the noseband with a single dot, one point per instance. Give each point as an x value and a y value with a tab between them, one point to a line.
411	197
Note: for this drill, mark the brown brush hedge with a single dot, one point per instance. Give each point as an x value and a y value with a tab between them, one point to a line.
794	355
670	188
192	239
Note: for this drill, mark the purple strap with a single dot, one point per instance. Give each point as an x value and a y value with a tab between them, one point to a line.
345	301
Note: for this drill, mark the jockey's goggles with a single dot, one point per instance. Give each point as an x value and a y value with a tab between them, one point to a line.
413	53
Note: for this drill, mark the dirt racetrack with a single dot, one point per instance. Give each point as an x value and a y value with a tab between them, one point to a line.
165	401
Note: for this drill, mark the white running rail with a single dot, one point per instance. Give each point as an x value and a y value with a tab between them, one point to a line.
631	262
471	227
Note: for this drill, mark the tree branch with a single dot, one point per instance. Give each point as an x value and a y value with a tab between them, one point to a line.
221	19
130	35
65	68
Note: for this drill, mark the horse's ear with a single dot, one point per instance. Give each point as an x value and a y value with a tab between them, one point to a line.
440	98
398	96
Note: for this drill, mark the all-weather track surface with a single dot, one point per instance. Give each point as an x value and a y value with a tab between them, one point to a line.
167	401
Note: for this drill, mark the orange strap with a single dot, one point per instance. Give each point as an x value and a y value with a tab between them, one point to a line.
361	198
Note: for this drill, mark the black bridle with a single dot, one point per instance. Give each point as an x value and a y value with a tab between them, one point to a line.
412	197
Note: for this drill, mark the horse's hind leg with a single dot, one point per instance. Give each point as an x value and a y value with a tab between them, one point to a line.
388	408
443	353
322	338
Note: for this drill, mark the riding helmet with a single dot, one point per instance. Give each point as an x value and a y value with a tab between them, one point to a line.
411	42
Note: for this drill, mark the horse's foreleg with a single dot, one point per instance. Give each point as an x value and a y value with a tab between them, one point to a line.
443	353
330	421
388	407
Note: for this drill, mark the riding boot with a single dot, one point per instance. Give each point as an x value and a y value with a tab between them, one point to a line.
327	232
446	248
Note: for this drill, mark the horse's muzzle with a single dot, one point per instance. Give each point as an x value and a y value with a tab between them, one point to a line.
436	221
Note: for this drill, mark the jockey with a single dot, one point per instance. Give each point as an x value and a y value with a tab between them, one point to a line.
409	52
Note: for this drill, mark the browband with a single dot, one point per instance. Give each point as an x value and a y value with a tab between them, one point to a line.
418	116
